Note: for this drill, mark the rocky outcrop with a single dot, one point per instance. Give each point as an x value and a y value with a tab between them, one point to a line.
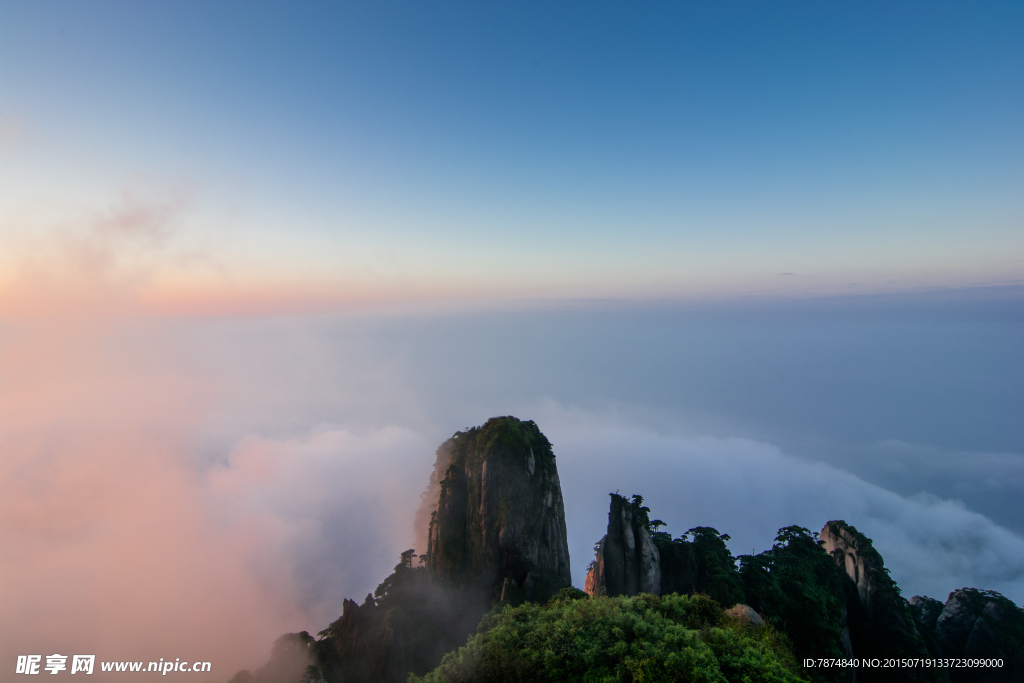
926	613
405	627
499	526
357	644
594	583
627	560
746	614
977	624
854	554
882	622
634	557
974	624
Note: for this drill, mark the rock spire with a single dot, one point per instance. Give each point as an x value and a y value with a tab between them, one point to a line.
499	526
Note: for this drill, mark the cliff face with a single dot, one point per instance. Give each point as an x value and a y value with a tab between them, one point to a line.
978	624
855	555
627	560
926	613
499	526
594	583
974	624
882	622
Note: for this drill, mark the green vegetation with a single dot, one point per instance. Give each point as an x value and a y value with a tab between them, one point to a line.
799	589
641	513
701	565
645	638
716	567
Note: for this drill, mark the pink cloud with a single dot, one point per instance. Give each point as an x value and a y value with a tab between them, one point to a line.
108	544
119	540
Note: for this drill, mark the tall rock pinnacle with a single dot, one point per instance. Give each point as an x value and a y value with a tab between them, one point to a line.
627	561
499	525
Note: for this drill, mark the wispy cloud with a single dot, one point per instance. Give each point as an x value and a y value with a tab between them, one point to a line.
97	260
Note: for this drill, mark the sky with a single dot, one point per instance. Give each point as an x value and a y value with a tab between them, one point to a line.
758	262
339	154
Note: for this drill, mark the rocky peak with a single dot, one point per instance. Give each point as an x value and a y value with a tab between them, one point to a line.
883	621
499	525
627	562
926	611
856	556
983	624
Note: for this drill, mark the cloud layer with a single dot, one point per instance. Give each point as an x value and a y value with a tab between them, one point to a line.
749	489
340	505
194	489
108	544
120	541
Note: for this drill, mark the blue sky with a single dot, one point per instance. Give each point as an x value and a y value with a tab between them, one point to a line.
406	151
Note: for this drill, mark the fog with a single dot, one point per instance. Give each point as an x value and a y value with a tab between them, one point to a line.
176	487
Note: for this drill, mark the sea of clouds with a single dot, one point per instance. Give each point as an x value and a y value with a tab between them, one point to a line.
194	488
